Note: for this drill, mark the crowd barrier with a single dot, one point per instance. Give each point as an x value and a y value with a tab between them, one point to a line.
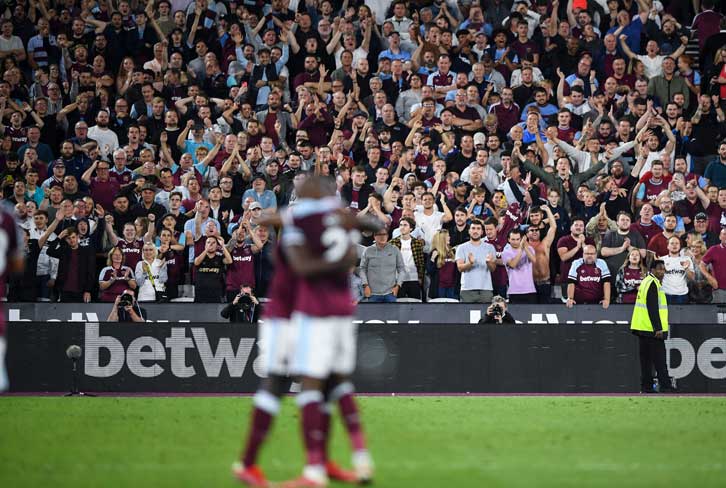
392	358
394	313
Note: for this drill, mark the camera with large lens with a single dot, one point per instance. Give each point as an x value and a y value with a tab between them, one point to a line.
126	300
245	302
497	310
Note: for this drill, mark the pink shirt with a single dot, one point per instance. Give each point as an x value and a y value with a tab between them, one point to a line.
521	279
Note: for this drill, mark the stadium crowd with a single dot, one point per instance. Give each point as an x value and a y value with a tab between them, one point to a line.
510	148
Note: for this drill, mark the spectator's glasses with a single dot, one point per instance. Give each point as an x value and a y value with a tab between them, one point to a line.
102	168
257	209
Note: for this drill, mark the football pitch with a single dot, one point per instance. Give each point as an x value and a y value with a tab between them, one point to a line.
415	441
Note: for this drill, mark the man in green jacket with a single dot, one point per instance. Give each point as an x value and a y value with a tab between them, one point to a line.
668	84
562	178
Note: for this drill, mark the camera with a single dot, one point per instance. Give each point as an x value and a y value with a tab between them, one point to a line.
245	301
126	300
497	310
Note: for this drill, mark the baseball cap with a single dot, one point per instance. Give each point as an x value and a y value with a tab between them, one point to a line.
148	186
254	205
360	113
139	176
258	176
459	183
701	216
480	138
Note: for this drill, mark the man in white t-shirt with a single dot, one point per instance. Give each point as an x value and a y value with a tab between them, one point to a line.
106	138
652	61
10	45
429	219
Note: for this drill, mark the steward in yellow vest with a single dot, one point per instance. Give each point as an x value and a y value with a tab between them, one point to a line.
650	325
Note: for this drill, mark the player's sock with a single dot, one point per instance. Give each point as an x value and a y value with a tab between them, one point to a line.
267	406
326	409
309	402
343	394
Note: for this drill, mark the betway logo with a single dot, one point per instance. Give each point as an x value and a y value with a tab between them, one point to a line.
14	316
710	352
147	357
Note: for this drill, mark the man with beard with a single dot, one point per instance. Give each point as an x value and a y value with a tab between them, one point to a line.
361	77
569	248
264	76
75	163
616	245
388	121
695	202
507	111
658	244
650	189
475	261
277	122
666	206
588	280
310	78
106	138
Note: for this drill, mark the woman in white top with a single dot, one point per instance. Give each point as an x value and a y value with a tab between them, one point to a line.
679	269
151	274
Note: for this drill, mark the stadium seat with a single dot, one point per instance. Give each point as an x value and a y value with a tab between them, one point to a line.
443	300
408	300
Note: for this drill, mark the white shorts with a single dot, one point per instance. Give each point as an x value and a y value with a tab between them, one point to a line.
275	344
323	346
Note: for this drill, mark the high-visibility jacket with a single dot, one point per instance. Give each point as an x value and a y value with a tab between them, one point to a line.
641	318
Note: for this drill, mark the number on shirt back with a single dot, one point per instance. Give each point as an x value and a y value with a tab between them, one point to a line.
337	241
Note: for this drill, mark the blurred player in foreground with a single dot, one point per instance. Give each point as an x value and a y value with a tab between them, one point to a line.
11	261
309	333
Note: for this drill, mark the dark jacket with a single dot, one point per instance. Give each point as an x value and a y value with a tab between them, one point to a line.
236	314
346	193
86	270
258	71
489	319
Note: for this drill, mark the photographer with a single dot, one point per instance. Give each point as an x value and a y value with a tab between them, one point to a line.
244	308
126	309
497	313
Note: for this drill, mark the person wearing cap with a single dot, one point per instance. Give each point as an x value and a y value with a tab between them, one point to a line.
700	226
57	173
259	194
190	145
147	206
395	51
480	140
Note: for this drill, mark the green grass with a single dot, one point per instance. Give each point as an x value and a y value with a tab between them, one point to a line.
416	442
